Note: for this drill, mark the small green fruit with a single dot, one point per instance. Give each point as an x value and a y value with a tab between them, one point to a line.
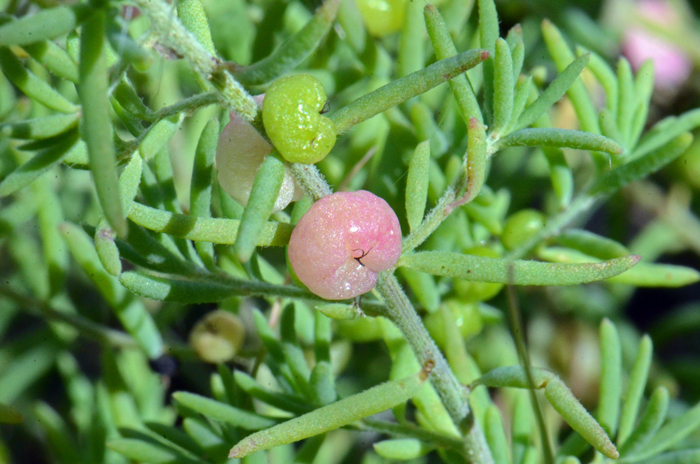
382	17
293	121
466	317
521	227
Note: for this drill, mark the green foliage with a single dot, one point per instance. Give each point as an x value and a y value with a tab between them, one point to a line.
113	229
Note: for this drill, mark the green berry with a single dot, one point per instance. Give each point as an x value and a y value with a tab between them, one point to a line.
382	17
471	292
293	121
521	227
466	317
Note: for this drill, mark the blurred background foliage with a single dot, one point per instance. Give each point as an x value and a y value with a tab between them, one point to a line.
78	366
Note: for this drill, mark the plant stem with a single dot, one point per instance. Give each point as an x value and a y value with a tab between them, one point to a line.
173	34
402	313
453	395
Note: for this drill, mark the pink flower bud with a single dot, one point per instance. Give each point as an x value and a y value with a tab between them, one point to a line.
342	243
240	153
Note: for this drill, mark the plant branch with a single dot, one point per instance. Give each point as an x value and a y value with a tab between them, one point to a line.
173	34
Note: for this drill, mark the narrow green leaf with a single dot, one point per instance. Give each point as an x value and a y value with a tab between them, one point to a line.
417	184
560	175
513	377
132	314
559	396
194	18
202	181
496	435
203	289
665	130
42	162
518	59
477	159
405	88
411	53
27	367
605	75
128	99
54	58
401	449
107	249
202	432
332	416
29	83
522	426
592	244
279	400
563	56
215	230
46	24
159	135
687	456
481	269
40	128
57	432
322	384
293	51
263	195
340	311
97	126
643	88
563	138
608	126
502	87
522	93
553	93
641	167
670	434
488	34
124	46
610	377
566	404
323	334
293	354
105	244
649	422
143	451
176	436
445	48
635	390
223	412
626	98
658	275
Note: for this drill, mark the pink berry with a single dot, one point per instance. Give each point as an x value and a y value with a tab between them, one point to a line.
342	243
239	155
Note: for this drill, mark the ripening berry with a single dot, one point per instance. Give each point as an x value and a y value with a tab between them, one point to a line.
293	120
218	336
240	153
342	243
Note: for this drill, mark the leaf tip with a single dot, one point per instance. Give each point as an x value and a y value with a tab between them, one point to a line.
484	55
430	9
